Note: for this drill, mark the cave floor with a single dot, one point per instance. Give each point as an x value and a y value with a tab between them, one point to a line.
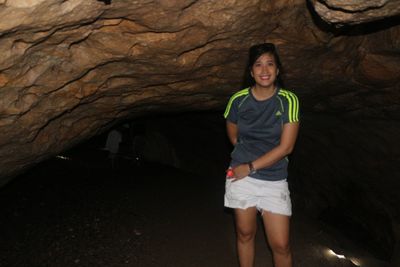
72	212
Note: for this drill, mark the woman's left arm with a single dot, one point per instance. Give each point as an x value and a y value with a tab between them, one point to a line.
288	140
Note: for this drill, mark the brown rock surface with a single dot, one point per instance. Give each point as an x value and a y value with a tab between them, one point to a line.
71	68
355	11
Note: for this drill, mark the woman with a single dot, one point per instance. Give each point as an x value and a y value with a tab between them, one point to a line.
262	124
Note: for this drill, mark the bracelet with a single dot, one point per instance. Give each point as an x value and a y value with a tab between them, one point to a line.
251	168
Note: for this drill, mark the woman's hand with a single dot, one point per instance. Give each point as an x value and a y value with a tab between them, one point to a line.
240	171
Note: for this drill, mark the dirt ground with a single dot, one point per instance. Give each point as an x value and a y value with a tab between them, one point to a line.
67	212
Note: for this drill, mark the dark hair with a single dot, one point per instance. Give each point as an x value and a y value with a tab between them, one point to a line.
254	53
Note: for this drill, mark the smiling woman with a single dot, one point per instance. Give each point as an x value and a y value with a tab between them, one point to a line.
262	124
264	72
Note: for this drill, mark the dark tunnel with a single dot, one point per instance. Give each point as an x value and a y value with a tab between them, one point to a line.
84	197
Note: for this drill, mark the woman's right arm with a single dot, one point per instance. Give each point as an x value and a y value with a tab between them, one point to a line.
232	131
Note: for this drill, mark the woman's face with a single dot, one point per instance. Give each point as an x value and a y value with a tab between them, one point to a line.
264	71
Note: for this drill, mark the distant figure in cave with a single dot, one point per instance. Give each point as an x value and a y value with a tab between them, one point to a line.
114	138
262	123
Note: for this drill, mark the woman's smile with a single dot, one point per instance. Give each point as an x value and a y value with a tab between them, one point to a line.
265	71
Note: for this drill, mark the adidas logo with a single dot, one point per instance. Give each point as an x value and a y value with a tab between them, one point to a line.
278	113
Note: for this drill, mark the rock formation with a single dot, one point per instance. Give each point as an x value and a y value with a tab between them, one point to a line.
355	12
71	69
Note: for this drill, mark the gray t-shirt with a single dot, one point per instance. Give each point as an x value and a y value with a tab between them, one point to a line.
260	126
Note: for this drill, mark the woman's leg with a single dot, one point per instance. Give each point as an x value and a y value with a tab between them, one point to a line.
246	227
277	231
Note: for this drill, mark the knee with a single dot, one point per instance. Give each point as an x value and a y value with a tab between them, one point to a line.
280	247
245	235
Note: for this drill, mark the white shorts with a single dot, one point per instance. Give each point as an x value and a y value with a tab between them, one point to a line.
248	192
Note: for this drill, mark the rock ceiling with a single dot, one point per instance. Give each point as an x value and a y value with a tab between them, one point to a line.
356	12
71	68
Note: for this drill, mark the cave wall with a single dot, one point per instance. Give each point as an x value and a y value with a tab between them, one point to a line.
70	69
351	12
345	172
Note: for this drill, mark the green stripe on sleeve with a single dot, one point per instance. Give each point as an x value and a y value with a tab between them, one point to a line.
293	103
238	94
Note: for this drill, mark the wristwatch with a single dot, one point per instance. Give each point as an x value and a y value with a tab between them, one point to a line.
251	168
